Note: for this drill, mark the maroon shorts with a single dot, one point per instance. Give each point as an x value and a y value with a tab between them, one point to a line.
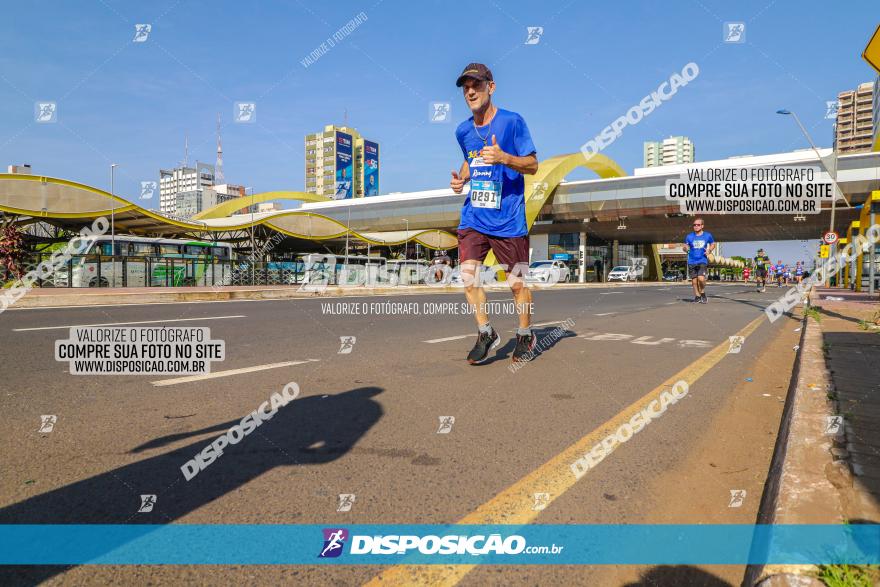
509	251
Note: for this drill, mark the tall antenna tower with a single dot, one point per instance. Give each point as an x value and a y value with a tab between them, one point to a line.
186	150
218	172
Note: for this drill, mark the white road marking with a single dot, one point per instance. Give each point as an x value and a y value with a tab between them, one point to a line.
125	323
544	324
606	314
608	293
229	372
461	336
435	340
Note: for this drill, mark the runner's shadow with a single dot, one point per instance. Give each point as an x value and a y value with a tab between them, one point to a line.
544	343
312	430
678	576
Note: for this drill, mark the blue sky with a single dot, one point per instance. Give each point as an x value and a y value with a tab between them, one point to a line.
132	103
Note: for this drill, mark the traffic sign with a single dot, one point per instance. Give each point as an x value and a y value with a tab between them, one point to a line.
823	251
830	237
871	54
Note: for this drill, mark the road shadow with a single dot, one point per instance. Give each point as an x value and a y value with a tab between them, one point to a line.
543	344
854	320
678	576
312	430
755	304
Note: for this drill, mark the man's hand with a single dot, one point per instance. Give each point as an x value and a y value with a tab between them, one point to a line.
457	183
493	154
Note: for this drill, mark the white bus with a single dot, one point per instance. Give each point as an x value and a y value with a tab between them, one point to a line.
148	262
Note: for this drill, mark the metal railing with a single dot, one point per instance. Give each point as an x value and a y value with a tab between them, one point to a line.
130	271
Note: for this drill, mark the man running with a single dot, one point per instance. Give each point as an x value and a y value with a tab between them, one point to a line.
747	273
498	151
780	272
762	261
698	245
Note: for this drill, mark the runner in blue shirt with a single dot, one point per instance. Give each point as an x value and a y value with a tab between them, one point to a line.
698	245
498	150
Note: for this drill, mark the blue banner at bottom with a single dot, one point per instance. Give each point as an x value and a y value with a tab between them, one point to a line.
178	544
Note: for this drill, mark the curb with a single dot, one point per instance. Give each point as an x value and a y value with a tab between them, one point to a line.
804	479
91	297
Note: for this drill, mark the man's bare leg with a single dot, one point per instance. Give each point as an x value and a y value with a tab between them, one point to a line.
522	295
487	338
474	292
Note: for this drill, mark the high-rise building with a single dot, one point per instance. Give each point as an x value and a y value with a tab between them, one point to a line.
268	207
669	151
190	203
182	180
876	117
854	129
340	163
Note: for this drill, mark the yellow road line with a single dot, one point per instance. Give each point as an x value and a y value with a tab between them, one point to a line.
514	504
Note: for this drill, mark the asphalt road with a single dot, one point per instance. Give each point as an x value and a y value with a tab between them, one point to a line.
366	422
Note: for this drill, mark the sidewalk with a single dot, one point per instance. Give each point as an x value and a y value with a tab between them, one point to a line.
826	466
51	297
852	355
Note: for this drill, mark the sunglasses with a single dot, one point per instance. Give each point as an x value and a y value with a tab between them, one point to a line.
697	224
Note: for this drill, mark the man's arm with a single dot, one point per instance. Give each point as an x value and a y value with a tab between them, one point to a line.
492	154
527	165
459	179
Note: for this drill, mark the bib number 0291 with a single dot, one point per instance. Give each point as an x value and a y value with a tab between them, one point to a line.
485	194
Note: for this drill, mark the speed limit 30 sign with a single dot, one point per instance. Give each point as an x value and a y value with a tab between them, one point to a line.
830	237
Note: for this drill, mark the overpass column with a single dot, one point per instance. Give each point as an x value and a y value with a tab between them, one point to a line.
582	258
615	251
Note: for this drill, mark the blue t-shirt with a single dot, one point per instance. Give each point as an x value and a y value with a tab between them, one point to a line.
513	138
697	247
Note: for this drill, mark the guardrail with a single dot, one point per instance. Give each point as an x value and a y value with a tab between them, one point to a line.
127	271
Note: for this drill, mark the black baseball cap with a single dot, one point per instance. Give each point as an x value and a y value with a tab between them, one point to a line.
477	71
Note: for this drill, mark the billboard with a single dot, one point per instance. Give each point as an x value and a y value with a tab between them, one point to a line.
371	168
344	177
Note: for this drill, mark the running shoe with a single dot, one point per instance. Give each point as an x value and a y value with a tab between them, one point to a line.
704	299
696	299
486	341
525	347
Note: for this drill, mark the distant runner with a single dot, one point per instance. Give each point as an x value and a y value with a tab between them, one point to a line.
780	272
799	271
698	245
498	151
762	263
438	264
746	274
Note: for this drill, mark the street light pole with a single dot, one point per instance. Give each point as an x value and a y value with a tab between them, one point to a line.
347	232
253	242
833	176
406	242
113	167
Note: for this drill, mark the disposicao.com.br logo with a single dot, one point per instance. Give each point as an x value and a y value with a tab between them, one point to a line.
392	544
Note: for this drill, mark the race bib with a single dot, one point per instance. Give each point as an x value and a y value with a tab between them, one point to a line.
486	194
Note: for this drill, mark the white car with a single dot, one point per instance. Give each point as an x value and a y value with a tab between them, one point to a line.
548	271
622	273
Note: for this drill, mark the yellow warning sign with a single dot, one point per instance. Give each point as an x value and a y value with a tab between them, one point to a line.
823	251
871	54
